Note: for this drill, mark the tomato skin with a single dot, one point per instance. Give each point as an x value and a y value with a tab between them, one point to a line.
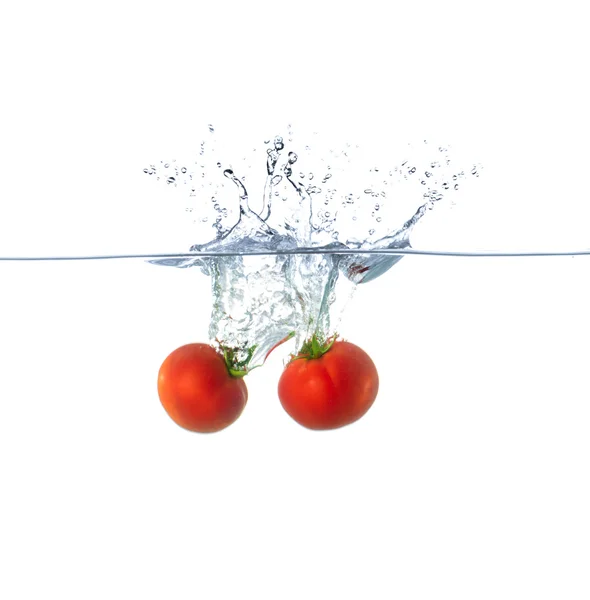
331	391
197	391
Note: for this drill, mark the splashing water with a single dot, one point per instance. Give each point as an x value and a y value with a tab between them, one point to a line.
331	199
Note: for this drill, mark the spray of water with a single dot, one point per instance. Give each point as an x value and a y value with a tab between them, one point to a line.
339	199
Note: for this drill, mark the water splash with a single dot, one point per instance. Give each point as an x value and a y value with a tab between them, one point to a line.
332	199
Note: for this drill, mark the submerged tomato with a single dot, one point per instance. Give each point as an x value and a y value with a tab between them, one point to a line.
197	390
332	390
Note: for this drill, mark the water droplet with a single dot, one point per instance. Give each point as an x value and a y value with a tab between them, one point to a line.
276	179
211	129
170	180
378	219
183	170
146	170
301	175
276	193
279	145
219	165
326	177
267	141
412	170
310	176
428	173
445	186
292	157
371	231
456	186
377	206
354	218
368	191
166	165
204	219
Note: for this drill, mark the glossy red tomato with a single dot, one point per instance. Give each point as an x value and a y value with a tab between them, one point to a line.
197	390
332	390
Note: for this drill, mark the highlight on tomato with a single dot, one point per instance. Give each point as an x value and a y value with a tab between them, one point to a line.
201	388
328	384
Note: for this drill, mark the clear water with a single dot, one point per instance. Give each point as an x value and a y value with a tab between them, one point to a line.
296	258
327	219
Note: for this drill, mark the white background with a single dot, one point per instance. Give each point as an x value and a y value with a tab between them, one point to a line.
469	476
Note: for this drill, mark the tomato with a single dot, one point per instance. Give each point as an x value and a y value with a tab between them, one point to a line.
197	390
328	387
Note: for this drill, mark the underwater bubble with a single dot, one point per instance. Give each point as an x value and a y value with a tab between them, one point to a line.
279	144
228	172
170	180
292	157
183	170
211	129
368	191
288	171
276	179
456	186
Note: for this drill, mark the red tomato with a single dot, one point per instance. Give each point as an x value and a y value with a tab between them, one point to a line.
197	390
331	391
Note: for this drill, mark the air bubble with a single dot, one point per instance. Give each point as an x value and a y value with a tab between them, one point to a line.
211	129
377	206
368	191
166	165
292	157
288	171
228	172
170	180
371	231
183	170
146	170
456	186
219	165
276	179
279	145
445	186
412	170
